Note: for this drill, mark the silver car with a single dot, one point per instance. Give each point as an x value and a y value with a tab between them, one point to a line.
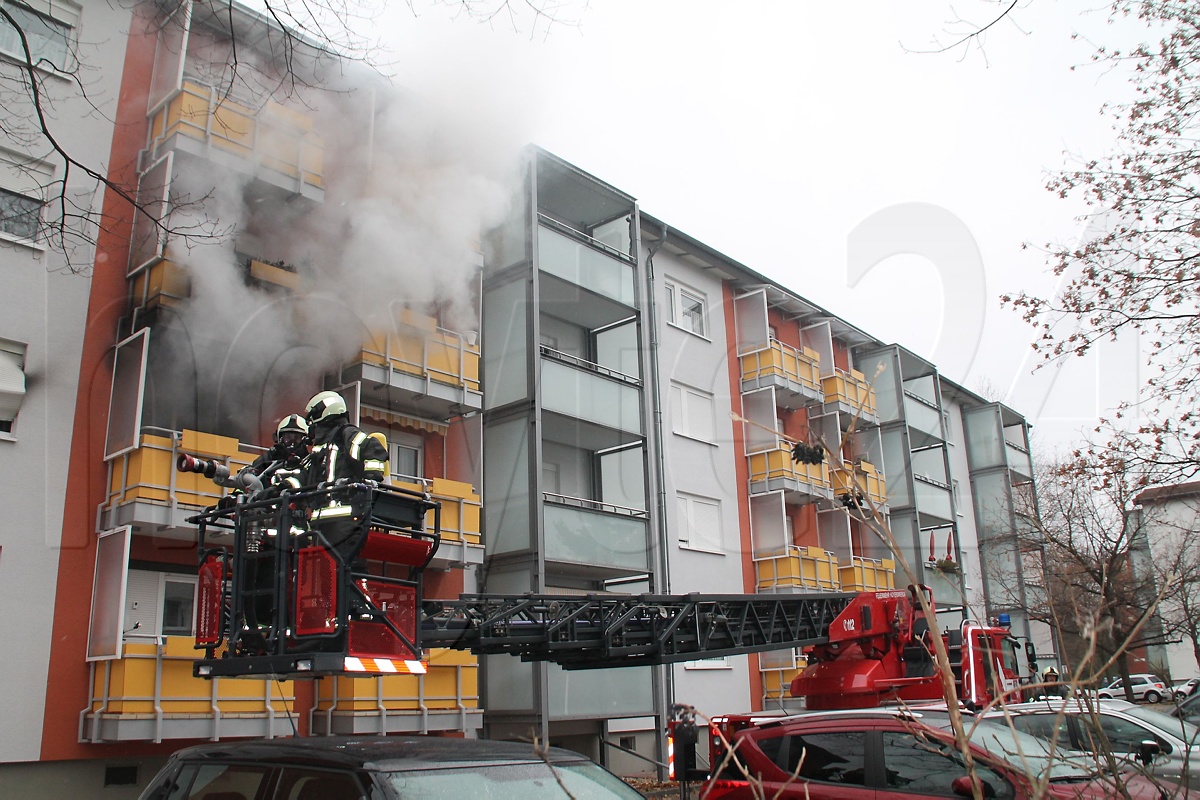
1169	747
1142	686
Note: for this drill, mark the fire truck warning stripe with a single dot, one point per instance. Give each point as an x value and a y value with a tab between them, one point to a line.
384	665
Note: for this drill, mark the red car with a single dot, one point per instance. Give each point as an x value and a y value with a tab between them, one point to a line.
894	754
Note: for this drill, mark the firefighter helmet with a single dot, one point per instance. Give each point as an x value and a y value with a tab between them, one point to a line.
292	423
323	406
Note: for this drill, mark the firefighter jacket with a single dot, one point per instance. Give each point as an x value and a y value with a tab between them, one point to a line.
342	452
279	469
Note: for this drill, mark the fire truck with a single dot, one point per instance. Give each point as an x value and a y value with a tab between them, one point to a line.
276	598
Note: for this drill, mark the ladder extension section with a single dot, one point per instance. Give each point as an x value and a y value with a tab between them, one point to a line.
595	631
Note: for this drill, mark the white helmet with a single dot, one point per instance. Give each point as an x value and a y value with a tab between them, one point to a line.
323	406
292	423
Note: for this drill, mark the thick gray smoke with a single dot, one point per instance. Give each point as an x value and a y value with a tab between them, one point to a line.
409	186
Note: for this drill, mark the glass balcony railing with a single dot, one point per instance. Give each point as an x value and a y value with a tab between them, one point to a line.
795	371
1019	461
924	421
274	137
868	574
852	392
446	698
591	265
798	568
601	535
862	477
149	694
591	396
774	470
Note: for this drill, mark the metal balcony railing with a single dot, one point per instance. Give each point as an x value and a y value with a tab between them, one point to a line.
798	568
852	390
782	364
863	477
273	136
772	470
418	347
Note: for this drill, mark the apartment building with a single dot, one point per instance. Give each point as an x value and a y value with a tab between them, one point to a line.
604	404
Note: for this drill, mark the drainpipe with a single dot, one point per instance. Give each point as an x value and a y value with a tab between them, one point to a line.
659	469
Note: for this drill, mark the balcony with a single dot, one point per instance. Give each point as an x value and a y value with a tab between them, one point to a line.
851	394
462	543
147	492
795	374
149	694
593	538
777	689
163	284
861	478
275	144
924	421
418	368
799	568
1019	462
585	262
774	470
446	698
868	574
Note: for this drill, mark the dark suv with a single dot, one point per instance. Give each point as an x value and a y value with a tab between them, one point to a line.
379	768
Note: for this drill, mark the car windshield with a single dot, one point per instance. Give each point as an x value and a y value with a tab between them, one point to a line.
531	781
1176	727
1026	753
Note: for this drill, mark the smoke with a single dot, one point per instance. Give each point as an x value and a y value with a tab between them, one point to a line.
410	184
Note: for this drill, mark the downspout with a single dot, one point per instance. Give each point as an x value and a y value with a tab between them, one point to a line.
660	501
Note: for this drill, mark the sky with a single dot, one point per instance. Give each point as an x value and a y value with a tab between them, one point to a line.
824	146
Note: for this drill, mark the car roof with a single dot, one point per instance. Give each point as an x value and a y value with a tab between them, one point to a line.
1054	705
378	753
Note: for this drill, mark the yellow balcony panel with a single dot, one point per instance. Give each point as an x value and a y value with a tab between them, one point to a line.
777	683
852	394
418	368
166	283
149	694
270	273
799	568
795	373
862	477
774	470
446	698
461	510
280	140
868	574
146	489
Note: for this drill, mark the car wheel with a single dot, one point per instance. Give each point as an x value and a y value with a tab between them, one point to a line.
1153	696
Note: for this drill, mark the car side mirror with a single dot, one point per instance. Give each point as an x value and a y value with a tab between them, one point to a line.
962	787
1031	657
1147	750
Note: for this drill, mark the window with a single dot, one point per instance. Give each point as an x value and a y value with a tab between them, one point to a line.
699	523
12	383
19	215
179	596
835	757
49	39
693	413
405	457
928	767
687	309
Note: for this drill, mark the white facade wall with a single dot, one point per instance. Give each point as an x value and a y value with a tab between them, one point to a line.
1168	522
699	461
44	308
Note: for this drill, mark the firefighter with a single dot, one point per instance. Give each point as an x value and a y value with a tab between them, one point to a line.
341	453
280	466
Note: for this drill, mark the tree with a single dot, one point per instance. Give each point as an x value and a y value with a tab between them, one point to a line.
1102	587
1138	267
306	43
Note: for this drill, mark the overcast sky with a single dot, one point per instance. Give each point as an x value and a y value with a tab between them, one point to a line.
783	133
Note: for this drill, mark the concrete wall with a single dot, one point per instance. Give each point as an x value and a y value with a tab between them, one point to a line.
44	307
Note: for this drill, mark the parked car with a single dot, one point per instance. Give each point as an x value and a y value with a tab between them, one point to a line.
889	754
1185	689
1144	686
1188	710
381	767
1117	726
